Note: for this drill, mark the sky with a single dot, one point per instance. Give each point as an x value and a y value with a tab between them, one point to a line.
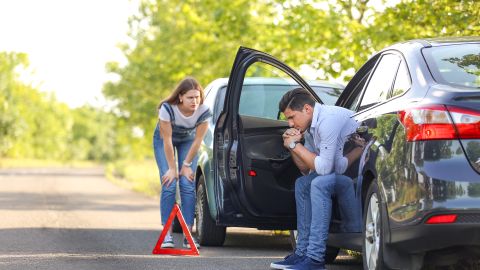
68	43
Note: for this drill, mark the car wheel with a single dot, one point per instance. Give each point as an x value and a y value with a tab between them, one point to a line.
330	254
209	234
373	242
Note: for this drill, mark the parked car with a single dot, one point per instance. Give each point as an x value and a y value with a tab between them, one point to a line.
417	182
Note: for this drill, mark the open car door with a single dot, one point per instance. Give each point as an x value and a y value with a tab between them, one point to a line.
254	173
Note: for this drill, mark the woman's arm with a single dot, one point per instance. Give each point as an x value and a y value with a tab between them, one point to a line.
166	133
187	171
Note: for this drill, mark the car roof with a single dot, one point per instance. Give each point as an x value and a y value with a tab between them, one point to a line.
433	42
276	81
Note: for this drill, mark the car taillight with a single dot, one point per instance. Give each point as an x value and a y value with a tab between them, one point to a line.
442	219
466	121
435	123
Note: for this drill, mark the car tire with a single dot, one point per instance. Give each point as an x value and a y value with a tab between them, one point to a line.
209	234
330	254
372	250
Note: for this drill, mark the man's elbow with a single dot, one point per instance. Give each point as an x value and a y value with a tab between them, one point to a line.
341	166
340	170
323	168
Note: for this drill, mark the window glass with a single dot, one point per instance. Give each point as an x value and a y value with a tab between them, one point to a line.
262	100
209	97
352	104
402	82
263	87
455	64
328	95
219	102
381	81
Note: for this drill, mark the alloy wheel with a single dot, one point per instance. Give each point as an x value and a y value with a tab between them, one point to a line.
372	232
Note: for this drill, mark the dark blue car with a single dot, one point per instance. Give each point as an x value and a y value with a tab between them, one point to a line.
418	181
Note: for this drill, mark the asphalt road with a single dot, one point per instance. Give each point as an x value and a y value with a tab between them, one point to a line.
76	219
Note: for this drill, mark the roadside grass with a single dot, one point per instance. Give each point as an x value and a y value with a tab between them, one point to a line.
42	163
140	176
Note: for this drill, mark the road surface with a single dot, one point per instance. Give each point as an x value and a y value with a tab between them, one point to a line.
76	219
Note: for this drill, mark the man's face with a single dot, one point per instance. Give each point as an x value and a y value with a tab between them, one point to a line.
300	120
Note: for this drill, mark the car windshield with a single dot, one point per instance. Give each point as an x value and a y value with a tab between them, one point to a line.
457	65
328	95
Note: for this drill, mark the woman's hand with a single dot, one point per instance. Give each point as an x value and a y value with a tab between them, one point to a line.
169	176
187	172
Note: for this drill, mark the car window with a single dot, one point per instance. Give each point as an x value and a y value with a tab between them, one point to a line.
352	103
402	81
457	65
263	87
219	102
328	95
262	100
381	81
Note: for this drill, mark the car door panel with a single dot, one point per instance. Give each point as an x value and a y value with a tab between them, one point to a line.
275	171
243	144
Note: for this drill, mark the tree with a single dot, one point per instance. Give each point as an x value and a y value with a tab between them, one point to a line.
175	39
200	38
9	64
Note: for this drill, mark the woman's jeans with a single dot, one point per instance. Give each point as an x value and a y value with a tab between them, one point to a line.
313	196
187	188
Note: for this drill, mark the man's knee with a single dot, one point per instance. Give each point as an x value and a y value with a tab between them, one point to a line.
324	181
343	183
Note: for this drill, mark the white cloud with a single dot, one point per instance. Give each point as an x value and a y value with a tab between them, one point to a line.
68	42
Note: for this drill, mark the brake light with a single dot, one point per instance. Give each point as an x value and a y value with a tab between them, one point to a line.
466	121
252	173
442	219
435	123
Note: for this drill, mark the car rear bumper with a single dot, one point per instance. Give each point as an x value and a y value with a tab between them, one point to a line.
465	232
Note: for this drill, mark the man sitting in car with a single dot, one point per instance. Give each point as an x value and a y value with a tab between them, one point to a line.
324	130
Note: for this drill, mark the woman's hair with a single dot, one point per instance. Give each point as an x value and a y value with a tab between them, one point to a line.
183	87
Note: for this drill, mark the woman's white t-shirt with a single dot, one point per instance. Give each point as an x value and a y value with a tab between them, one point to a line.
180	119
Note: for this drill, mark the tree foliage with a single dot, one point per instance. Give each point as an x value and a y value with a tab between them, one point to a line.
34	124
175	38
200	38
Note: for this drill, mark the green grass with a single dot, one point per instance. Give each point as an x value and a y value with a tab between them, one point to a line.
140	176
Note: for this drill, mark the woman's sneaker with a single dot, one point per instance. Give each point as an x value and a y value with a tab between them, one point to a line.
187	245
168	242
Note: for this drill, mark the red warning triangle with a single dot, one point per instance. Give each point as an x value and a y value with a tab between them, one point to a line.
174	251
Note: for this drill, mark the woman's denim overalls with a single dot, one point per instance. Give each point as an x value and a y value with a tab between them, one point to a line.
182	139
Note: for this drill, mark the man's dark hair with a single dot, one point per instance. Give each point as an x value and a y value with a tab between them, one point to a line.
295	100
